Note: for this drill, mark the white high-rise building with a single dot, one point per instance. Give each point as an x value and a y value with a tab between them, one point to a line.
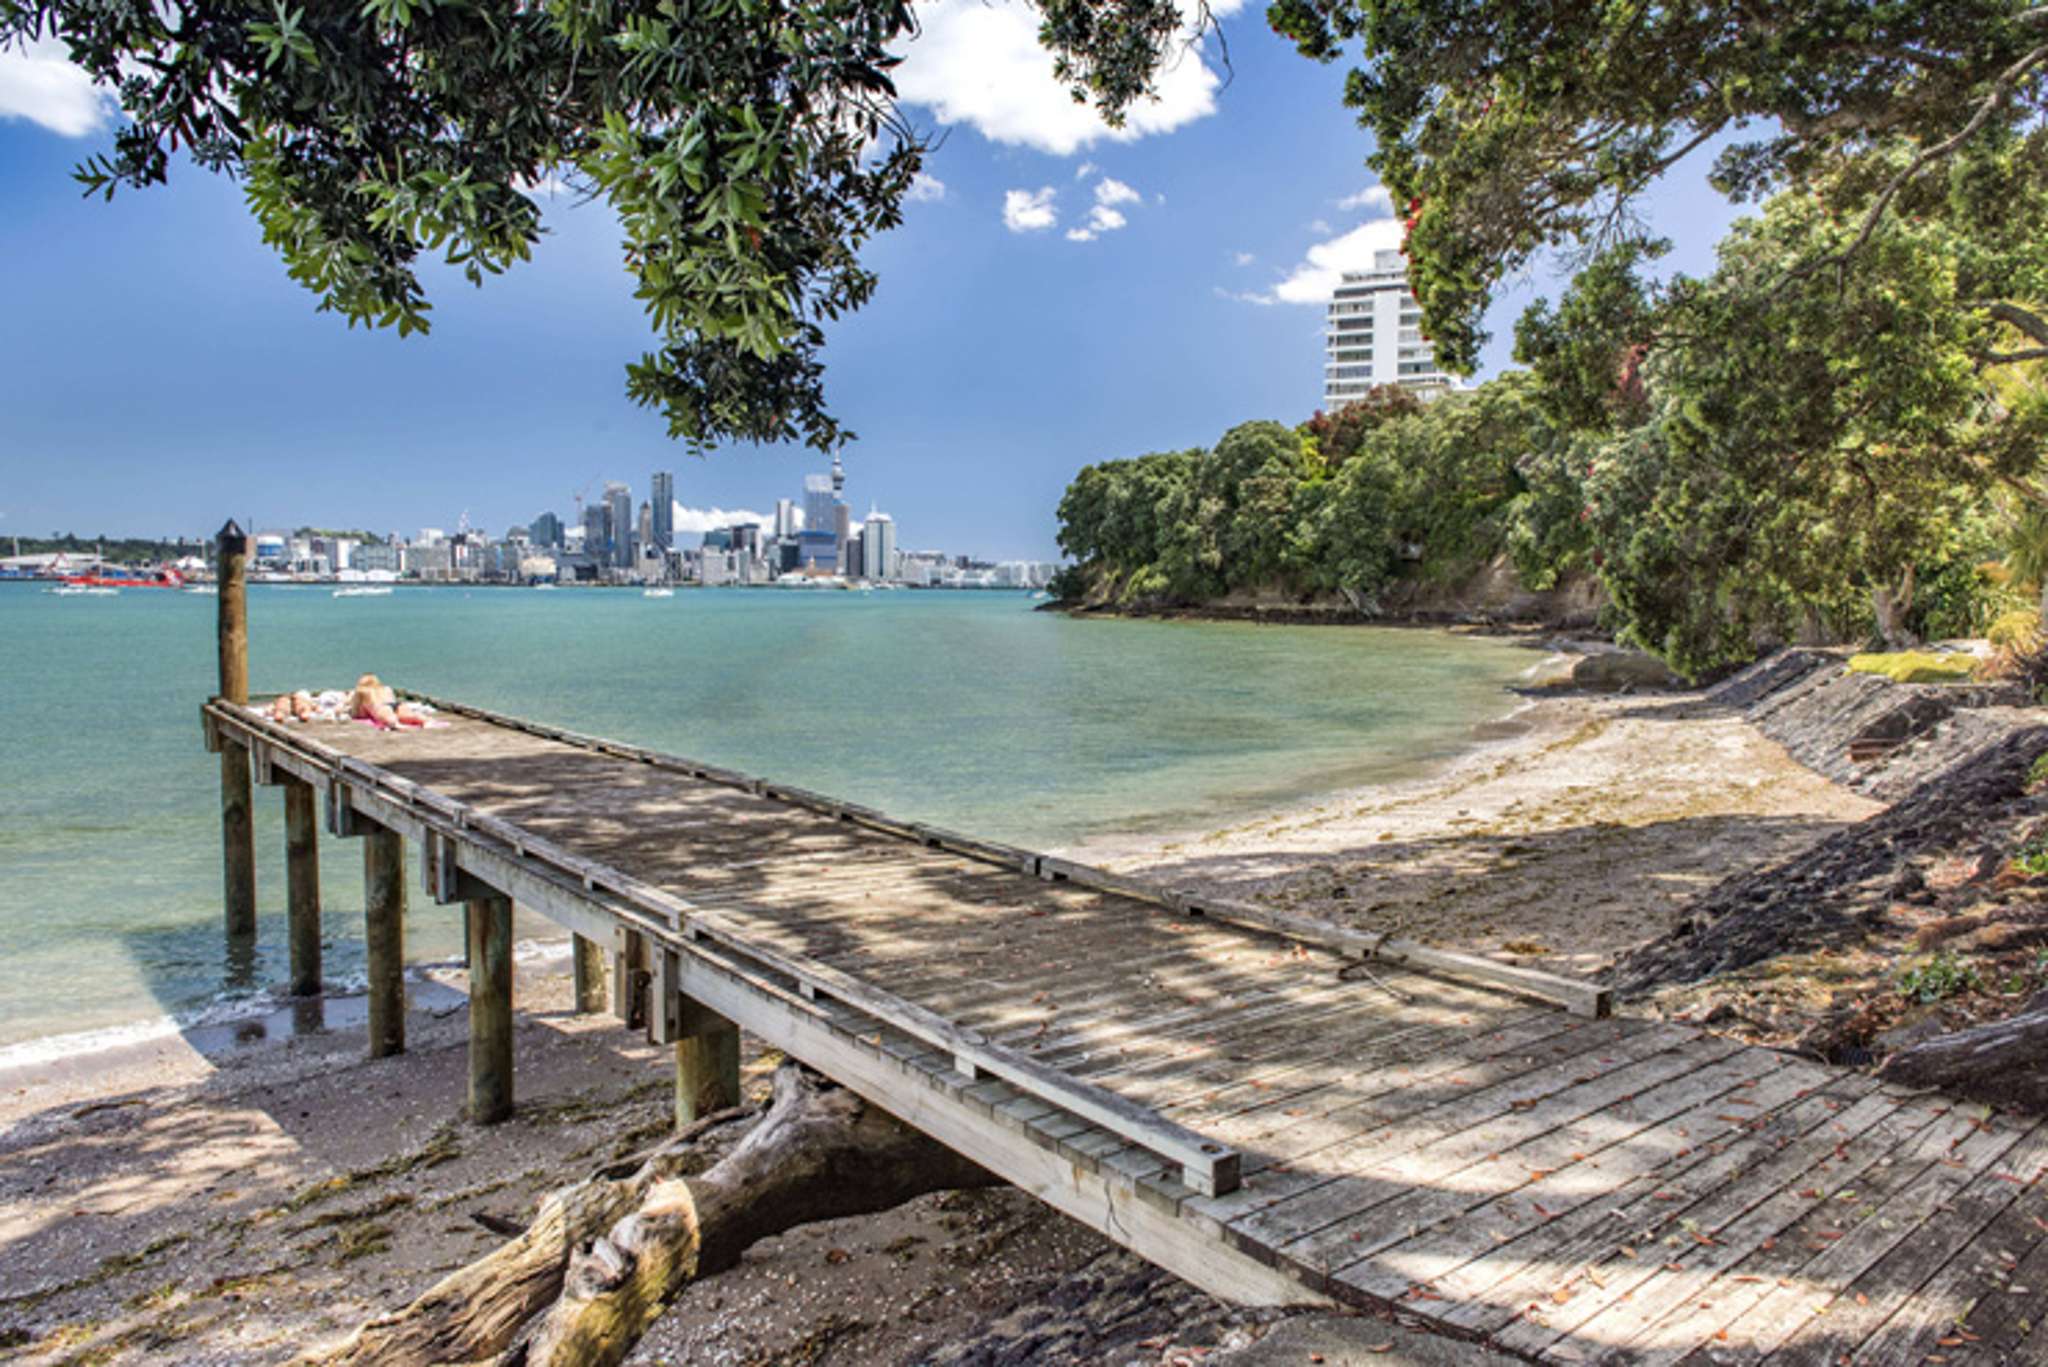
1375	335
878	547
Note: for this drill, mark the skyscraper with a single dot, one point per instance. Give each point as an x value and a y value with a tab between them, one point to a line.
878	546
1375	335
547	530
618	502
818	503
785	519
663	497
597	532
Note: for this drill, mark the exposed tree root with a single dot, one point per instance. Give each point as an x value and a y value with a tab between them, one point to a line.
604	1257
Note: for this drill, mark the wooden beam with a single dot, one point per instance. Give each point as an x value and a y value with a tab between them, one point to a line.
384	937
302	884
629	978
490	1010
589	971
231	621
1108	1204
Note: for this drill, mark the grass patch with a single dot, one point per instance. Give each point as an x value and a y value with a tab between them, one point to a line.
1916	666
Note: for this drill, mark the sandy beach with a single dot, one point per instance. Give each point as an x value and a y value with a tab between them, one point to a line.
224	1199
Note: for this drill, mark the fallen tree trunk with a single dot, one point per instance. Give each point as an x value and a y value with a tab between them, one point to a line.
2004	1063
603	1258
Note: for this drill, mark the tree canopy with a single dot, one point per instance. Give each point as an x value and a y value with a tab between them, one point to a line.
1512	126
748	148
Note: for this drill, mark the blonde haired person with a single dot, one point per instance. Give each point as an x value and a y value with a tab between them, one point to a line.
376	702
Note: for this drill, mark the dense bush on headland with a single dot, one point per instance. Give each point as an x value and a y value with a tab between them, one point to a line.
1847	456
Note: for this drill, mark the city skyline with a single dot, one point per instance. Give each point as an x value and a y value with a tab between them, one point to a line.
1010	342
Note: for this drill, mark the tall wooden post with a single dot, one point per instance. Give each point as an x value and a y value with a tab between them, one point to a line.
302	882
384	938
707	1064
237	819
490	1009
589	968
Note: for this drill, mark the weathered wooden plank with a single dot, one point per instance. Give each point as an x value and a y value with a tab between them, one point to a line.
1773	1241
1111	1208
1430	1190
1870	1229
587	968
2009	1294
1379	1201
1670	1170
1858	1316
1210	1167
1579	1206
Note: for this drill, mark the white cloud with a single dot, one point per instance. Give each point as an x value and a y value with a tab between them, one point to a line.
715	519
39	83
1084	170
1108	191
1315	278
1243	258
978	62
1371	197
1029	211
1246	297
1081	234
1320	227
926	189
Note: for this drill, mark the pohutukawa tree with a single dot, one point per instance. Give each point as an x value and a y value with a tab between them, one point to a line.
1513	126
748	152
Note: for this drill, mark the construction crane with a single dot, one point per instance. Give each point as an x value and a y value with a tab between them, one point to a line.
579	499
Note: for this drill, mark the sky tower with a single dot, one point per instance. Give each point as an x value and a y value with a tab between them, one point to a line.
838	478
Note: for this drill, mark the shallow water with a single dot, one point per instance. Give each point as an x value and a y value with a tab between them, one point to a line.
966	709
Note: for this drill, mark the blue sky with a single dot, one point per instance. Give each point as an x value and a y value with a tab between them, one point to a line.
158	371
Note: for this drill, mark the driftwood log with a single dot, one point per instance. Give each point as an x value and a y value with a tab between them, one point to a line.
604	1257
2004	1063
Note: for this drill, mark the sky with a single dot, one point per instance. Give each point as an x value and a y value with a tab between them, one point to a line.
1059	294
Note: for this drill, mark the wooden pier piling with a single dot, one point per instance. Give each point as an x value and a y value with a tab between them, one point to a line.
302	883
707	1063
237	819
490	1009
589	969
384	937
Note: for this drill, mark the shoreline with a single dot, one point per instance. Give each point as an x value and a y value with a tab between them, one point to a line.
248	1204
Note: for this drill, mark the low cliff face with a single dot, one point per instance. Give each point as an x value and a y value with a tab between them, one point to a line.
1926	922
1491	595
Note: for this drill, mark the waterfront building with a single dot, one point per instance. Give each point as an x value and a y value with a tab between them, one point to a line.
618	502
547	531
818	503
785	519
878	546
269	550
375	557
663	497
597	531
647	541
852	562
1374	336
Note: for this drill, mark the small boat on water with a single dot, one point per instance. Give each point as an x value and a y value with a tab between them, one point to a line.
657	593
83	591
210	590
549	587
364	591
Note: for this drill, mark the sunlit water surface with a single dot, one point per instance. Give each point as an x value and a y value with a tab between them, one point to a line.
965	709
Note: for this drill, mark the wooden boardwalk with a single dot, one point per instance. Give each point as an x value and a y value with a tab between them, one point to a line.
1277	1113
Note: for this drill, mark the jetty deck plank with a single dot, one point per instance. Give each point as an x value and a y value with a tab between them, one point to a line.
1569	1190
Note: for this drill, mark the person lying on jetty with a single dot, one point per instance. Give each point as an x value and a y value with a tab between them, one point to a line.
297	706
376	702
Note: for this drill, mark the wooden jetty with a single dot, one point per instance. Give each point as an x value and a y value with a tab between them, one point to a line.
1276	1110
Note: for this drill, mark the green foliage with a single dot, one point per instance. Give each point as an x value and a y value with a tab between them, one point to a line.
748	151
1938	978
1511	126
2032	858
2037	772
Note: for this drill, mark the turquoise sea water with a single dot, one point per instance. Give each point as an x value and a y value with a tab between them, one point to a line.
965	709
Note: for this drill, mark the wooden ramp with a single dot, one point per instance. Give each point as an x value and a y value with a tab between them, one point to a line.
1277	1112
